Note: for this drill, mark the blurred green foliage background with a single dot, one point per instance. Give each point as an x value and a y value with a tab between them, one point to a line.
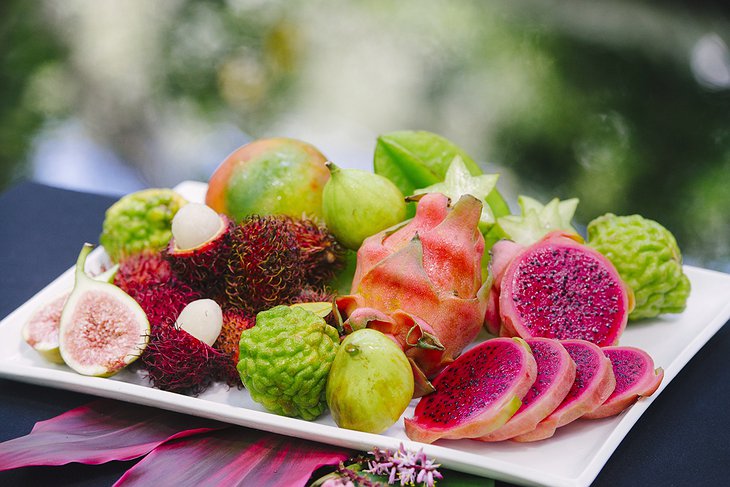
624	104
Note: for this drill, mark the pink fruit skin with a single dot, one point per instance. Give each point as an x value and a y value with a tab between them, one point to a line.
430	269
555	377
594	382
502	254
635	378
583	296
475	393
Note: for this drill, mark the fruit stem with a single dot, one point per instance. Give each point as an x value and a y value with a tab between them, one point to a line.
80	273
333	168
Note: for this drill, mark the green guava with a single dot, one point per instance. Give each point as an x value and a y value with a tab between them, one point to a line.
648	259
285	359
140	221
357	204
371	382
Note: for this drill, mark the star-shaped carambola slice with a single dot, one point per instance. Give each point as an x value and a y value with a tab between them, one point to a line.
537	220
459	181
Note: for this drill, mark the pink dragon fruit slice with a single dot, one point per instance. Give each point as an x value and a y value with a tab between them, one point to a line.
594	382
430	269
477	393
555	377
559	288
636	377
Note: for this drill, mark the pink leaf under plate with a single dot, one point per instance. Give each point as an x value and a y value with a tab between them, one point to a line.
99	432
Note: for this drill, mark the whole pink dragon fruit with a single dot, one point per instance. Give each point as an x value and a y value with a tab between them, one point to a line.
422	283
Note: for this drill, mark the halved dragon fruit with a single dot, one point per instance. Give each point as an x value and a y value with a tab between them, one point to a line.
594	382
559	288
635	377
555	377
477	393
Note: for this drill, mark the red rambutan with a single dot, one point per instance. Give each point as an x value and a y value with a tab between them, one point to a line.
322	255
163	302
313	295
235	320
141	271
265	266
203	267
178	362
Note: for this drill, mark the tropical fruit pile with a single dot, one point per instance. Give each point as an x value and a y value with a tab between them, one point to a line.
317	287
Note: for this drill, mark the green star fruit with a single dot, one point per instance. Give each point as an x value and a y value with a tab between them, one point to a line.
285	359
647	257
414	159
536	220
458	181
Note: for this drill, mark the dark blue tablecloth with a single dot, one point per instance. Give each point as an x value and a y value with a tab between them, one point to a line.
683	439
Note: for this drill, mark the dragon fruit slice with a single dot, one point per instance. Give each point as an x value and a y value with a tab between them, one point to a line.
559	288
555	377
429	269
477	393
594	382
635	377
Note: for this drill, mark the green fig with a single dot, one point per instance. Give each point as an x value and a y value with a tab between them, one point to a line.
357	204
370	383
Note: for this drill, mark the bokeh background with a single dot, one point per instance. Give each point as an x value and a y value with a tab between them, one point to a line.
624	104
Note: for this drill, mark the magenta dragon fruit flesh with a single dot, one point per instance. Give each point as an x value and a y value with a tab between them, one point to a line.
555	377
560	288
476	394
636	377
594	382
422	283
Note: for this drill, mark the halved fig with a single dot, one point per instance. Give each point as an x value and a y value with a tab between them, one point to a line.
102	329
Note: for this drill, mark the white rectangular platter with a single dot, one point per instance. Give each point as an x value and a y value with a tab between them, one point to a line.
672	341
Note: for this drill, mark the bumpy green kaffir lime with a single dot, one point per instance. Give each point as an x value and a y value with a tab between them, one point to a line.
140	221
648	259
285	360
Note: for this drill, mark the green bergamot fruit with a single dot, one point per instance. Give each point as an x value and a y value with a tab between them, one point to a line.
140	221
648	259
285	360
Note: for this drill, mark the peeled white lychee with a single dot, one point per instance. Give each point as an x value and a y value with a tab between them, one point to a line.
194	224
203	319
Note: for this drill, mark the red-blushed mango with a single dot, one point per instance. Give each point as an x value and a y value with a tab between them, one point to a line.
277	176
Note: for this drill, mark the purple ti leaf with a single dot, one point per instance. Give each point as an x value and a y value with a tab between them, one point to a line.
233	457
99	432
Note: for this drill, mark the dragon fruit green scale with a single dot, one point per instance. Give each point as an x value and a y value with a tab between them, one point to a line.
421	282
648	259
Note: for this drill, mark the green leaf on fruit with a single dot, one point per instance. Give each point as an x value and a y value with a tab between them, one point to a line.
459	181
538	220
